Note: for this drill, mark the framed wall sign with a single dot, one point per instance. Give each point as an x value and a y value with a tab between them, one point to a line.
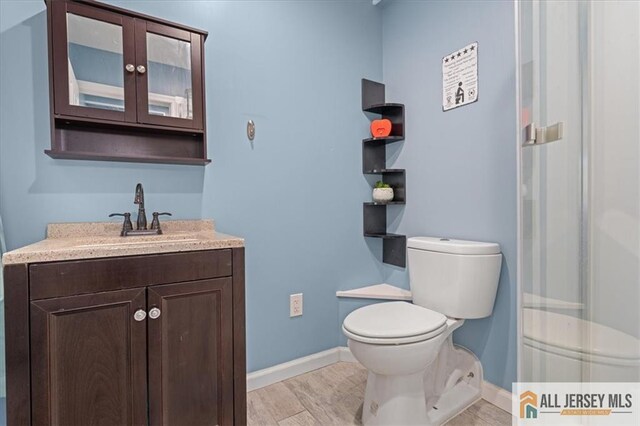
460	77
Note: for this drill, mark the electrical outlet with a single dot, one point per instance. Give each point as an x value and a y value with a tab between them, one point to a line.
295	305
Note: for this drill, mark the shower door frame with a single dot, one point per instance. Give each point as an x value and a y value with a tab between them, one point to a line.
584	264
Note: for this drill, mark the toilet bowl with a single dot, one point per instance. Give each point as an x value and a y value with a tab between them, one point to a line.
396	391
417	376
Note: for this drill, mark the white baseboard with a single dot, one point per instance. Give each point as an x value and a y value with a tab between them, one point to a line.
497	396
345	354
491	393
277	373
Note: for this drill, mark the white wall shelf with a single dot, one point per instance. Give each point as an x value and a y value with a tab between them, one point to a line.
378	291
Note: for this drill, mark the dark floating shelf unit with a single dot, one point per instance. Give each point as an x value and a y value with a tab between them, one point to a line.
374	162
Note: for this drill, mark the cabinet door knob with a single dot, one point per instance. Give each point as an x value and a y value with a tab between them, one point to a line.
141	69
140	315
130	67
154	313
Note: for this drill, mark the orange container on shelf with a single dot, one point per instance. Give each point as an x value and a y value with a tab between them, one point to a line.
380	128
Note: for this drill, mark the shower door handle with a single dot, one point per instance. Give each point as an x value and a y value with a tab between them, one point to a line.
540	135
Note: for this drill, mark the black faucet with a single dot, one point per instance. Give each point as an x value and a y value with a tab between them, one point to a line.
141	223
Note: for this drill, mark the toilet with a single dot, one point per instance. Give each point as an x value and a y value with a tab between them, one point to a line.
416	374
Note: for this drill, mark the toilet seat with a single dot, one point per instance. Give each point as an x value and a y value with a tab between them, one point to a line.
393	323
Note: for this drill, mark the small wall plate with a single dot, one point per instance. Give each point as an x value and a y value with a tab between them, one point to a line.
251	130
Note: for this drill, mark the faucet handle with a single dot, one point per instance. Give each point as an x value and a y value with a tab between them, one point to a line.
155	223
126	225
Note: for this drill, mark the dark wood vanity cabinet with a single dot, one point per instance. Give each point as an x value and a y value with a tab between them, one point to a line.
139	340
89	359
188	351
124	86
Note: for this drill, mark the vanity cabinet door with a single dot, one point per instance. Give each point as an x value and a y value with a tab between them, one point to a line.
169	84
93	56
190	353
89	359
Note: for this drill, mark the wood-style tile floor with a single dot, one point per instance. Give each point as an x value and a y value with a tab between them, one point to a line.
333	395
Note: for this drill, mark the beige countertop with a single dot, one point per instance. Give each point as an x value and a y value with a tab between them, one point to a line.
73	241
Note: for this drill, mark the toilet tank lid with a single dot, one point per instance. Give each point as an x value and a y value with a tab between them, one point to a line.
447	245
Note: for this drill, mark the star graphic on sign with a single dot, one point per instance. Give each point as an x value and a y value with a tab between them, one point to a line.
446	60
453	57
459	54
472	47
465	50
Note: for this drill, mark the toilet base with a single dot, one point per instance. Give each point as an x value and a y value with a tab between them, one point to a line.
431	397
394	400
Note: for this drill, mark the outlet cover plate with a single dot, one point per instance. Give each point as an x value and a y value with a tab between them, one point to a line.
295	305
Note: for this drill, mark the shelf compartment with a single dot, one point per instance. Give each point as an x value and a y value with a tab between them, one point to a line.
373	101
374	154
382	141
396	178
374	157
394	249
375	222
393	113
81	140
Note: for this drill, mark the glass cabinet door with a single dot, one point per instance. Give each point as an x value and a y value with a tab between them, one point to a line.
94	63
169	76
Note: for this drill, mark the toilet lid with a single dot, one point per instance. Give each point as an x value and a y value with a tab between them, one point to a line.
393	320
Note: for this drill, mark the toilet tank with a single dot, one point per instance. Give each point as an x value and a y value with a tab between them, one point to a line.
454	277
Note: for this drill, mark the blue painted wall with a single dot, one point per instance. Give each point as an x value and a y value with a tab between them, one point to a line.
295	193
461	164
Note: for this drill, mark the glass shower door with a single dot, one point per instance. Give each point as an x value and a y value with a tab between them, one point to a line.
580	194
551	190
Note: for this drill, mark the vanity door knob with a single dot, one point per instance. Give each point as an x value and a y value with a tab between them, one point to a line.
130	68
140	315
141	69
154	313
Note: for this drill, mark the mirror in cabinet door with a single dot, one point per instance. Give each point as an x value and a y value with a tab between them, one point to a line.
93	53
169	76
